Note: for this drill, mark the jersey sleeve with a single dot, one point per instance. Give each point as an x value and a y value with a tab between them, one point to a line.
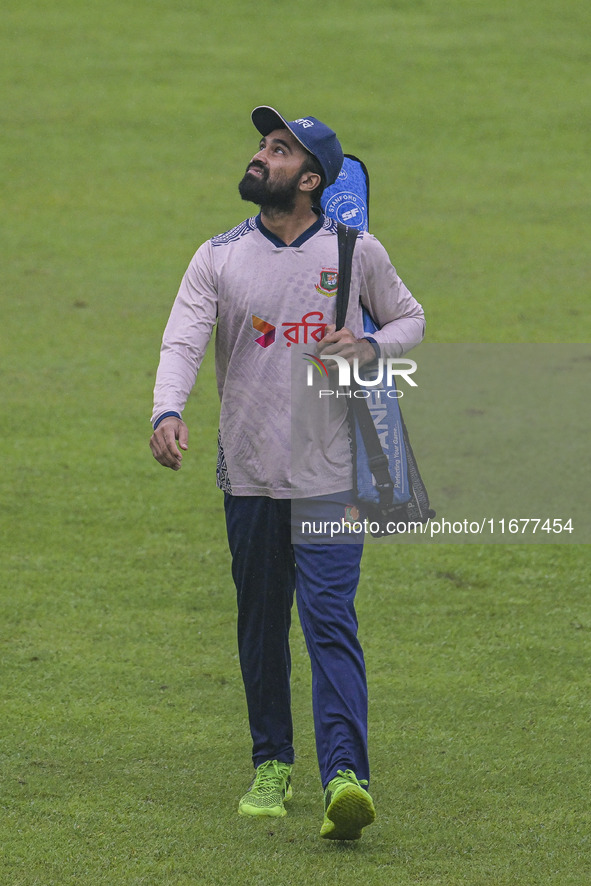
399	316
186	335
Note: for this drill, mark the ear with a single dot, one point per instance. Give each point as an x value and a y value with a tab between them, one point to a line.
309	181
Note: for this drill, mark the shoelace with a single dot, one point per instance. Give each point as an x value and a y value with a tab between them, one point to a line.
266	775
350	776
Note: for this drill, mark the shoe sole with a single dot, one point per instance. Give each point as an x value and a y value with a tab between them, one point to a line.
256	812
350	812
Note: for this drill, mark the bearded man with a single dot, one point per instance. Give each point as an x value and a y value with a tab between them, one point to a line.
259	282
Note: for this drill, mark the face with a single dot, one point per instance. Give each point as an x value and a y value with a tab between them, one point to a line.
273	176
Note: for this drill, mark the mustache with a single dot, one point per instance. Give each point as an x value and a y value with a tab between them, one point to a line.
256	165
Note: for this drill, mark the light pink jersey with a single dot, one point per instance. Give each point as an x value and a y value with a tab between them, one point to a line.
269	299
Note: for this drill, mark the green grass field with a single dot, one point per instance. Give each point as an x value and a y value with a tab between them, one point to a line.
123	738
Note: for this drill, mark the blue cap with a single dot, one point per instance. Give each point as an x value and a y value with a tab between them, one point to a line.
314	136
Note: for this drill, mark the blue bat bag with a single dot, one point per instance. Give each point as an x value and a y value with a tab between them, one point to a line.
388	484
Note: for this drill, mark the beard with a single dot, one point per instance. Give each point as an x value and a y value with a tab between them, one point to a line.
279	196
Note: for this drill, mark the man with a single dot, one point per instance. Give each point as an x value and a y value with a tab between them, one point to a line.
262	282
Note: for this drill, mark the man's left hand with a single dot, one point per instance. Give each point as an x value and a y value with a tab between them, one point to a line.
344	343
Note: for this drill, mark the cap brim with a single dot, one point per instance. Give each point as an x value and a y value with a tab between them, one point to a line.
267	119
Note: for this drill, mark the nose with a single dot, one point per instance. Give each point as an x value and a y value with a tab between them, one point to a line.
260	157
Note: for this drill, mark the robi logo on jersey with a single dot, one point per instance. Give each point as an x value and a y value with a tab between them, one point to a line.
311	327
268	330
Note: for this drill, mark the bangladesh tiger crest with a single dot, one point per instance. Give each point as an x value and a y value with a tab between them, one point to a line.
329	282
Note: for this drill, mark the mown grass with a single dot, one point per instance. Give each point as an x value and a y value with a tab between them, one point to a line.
124	743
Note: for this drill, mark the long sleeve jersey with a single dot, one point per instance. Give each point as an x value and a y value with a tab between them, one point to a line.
270	304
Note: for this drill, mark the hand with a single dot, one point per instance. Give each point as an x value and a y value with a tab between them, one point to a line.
346	345
163	442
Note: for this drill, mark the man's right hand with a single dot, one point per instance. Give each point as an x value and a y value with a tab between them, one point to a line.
163	442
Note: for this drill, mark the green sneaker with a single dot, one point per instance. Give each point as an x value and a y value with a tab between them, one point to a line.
270	786
348	808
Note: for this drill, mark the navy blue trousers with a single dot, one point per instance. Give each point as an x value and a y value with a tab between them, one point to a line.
267	568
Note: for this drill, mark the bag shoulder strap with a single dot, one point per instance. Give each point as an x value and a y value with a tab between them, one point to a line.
378	461
346	240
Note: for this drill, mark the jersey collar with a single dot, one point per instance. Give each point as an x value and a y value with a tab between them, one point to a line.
276	241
